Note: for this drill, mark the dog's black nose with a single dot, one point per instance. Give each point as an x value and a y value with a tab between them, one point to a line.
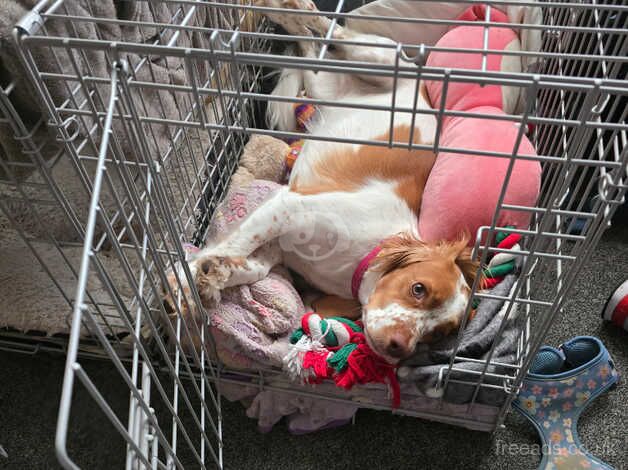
398	346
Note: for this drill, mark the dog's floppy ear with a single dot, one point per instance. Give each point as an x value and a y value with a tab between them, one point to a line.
467	265
404	249
400	251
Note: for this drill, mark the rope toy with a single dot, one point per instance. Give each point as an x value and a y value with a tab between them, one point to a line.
500	264
335	349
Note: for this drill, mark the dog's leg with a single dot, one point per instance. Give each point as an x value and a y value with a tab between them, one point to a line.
225	264
380	50
321	85
214	273
294	23
264	224
280	114
325	85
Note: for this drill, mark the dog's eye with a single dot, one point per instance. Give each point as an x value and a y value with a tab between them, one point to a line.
418	290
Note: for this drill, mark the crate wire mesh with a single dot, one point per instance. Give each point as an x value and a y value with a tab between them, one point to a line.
153	172
40	237
128	196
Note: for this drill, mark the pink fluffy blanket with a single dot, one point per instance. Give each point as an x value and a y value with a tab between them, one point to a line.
251	324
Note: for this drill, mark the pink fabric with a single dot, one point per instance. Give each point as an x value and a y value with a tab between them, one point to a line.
358	274
449	207
462	191
252	323
478	13
460	95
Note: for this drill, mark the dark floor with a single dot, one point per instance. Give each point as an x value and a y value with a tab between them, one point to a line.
30	389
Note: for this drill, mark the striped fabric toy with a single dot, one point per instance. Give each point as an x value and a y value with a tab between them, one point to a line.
502	263
616	308
335	348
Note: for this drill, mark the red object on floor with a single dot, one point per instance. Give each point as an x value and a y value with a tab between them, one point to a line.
616	308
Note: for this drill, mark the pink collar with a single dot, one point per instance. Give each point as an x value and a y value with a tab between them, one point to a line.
358	274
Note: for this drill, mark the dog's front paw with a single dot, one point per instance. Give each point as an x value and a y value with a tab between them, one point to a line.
213	273
300	25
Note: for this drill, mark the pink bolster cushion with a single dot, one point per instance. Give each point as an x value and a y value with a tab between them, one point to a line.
462	191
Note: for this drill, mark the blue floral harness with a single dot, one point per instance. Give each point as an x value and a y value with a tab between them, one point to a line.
560	384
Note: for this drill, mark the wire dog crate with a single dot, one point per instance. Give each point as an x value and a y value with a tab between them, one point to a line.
151	103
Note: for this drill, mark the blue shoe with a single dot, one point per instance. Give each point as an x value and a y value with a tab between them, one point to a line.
559	385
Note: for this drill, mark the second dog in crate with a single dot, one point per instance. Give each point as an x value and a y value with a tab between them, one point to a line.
347	221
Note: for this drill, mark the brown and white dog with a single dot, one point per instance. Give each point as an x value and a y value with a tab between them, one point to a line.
347	221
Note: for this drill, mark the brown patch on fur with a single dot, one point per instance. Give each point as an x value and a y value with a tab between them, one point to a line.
212	263
334	306
347	168
405	249
468	265
472	314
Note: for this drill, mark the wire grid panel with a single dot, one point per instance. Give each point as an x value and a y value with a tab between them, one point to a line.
26	156
149	186
573	110
42	230
42	204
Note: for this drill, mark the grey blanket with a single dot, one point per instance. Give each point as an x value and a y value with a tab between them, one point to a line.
149	102
424	368
31	206
95	63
